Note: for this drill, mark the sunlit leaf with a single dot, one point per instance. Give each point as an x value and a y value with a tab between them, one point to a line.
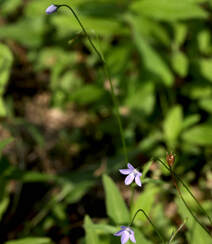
115	205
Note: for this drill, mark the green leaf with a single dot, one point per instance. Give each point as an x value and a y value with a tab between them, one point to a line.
6	59
180	63
152	61
87	94
199	135
172	125
140	238
206	104
104	228
206	67
204	41
33	37
31	240
115	205
144	201
180	31
168	10
190	120
98	26
91	236
146	91
197	91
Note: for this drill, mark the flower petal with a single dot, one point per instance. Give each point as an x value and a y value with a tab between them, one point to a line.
125	237
138	173
51	9
138	180
123	227
119	233
130	166
125	171
132	238
129	179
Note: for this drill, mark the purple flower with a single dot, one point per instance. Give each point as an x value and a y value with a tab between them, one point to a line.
126	233
132	174
51	9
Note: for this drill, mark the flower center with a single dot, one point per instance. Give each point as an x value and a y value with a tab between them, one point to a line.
128	230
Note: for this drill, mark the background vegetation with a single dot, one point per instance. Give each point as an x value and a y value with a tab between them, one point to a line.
59	135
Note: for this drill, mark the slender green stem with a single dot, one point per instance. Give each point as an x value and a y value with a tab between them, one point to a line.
150	221
107	75
174	175
175	233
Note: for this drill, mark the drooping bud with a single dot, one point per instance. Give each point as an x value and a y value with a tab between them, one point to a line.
51	9
170	158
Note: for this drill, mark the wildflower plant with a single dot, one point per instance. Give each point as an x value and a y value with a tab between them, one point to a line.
126	233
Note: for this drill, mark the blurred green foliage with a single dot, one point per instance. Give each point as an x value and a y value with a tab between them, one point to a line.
159	53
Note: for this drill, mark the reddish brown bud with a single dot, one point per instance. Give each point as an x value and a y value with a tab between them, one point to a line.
170	158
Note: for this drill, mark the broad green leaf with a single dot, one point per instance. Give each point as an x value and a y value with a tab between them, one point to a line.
190	120
117	59
180	31
152	29
66	24
144	201
168	10
32	38
152	61
33	176
197	91
206	104
100	9
180	63
206	67
199	135
6	59
87	94
31	240
104	228
91	236
172	125
146	91
115	205
204	41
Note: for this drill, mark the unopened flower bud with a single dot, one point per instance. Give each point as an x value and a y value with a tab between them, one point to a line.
170	158
51	9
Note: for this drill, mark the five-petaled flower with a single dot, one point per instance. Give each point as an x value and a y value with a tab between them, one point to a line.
132	174
51	9
126	233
